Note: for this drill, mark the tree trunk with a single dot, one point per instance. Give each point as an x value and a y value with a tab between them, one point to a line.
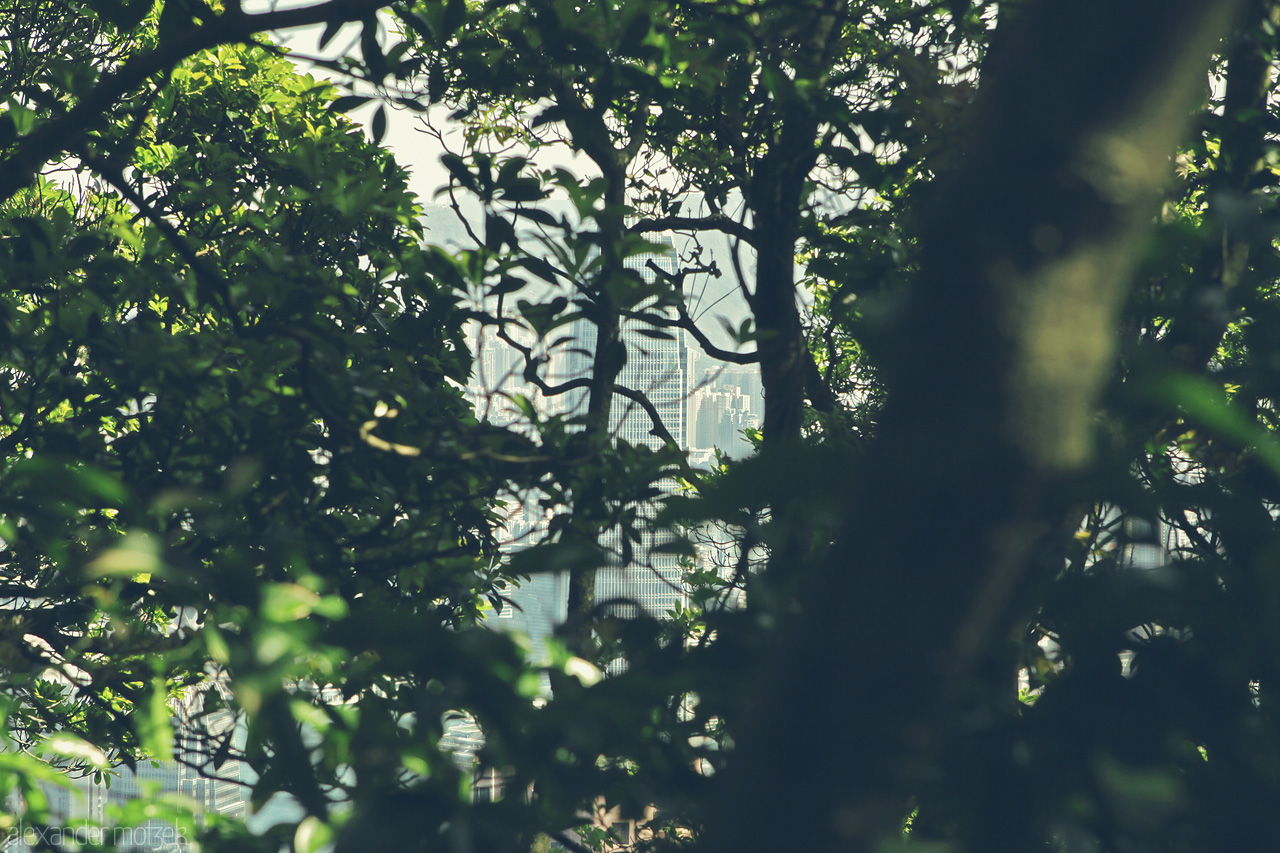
898	659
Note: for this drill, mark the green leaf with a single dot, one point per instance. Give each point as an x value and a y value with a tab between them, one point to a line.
556	557
455	12
70	746
219	651
155	728
72	478
541	269
24	120
312	835
457	168
331	29
1206	404
653	334
287	602
782	87
349	102
371	50
125	15
138	553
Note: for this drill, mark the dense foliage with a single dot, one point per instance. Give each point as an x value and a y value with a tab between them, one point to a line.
1004	563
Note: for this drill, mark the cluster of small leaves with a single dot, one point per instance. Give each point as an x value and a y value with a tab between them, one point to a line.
233	443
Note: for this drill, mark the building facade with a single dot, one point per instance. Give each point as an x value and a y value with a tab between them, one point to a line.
649	581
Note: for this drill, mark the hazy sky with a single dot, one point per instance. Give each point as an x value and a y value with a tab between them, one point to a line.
416	151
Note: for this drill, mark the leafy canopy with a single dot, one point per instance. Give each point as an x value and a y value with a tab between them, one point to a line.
1002	565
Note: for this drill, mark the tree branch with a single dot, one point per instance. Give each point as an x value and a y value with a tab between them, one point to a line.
687	323
659	429
65	132
206	274
994	373
719	222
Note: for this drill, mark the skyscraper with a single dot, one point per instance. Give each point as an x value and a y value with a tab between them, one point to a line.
656	367
661	368
201	733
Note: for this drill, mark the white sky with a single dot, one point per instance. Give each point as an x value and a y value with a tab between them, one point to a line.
416	151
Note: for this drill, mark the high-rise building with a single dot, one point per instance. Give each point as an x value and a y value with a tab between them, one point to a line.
215	786
718	419
538	605
725	400
656	367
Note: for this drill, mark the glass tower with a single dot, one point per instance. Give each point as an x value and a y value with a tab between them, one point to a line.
656	367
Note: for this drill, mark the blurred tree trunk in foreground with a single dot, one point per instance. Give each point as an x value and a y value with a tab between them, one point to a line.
899	666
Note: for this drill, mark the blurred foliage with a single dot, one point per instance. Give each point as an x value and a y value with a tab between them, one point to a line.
235	446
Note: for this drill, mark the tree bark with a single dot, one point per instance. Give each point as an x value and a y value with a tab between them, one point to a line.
898	657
